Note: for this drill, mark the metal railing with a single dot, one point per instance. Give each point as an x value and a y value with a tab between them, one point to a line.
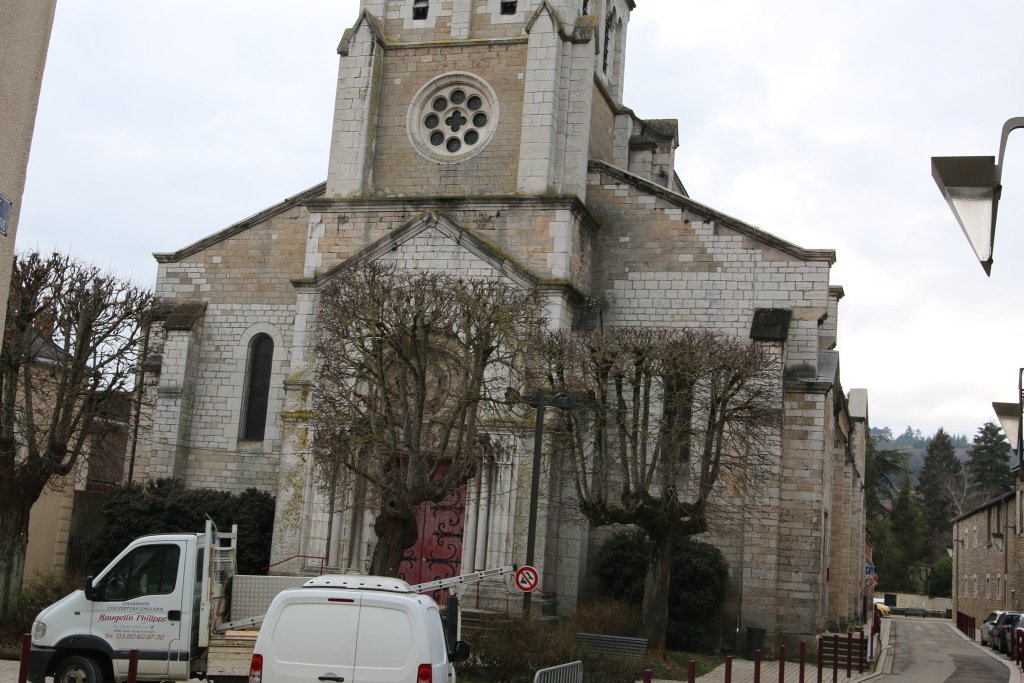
563	673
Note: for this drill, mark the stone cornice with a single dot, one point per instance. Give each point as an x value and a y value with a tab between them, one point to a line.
240	226
807	386
442	204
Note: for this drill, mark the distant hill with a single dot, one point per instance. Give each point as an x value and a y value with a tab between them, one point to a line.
915	445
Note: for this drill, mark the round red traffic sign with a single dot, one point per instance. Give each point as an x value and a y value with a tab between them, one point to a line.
527	578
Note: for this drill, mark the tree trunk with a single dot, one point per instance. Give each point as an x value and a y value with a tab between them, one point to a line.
656	585
13	541
396	531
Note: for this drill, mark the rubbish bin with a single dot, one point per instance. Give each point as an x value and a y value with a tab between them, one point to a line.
755	641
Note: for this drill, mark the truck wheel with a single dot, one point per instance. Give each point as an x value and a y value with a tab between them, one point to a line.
78	669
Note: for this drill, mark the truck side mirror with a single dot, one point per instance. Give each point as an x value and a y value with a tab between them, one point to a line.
89	589
460	652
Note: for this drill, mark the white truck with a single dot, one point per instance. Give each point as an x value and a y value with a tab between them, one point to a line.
175	598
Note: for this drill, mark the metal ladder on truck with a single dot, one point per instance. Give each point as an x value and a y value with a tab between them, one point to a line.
437	584
453	626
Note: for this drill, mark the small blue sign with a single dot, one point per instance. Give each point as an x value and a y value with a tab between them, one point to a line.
5	214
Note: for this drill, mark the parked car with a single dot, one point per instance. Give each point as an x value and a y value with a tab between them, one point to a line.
1005	624
988	626
1015	635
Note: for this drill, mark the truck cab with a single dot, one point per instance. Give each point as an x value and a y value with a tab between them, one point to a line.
149	598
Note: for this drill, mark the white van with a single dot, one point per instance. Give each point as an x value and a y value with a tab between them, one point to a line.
354	629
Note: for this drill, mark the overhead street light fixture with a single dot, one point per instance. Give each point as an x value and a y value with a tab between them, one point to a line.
1010	415
971	186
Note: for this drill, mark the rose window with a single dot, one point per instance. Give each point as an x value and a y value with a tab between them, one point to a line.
453	117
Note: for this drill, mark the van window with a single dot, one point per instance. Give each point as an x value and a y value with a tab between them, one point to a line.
322	633
386	640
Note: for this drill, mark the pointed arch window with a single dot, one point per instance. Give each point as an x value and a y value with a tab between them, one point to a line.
609	22
257	387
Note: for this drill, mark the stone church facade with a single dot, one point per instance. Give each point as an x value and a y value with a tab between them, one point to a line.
488	138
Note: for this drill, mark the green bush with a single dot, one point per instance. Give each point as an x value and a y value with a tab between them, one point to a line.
167	506
696	590
512	649
940	579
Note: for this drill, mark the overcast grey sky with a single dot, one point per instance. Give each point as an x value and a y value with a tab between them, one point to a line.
162	121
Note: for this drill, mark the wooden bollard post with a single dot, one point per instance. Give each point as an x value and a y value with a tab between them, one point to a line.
849	653
26	652
803	659
691	672
647	675
133	665
757	666
835	658
821	656
728	669
782	663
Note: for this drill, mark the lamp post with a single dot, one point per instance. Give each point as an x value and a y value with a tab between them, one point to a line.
1009	415
539	400
971	186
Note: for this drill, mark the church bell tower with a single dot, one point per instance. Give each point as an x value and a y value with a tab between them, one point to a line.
457	98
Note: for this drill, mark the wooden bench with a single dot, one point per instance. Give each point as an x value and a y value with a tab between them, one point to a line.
613	646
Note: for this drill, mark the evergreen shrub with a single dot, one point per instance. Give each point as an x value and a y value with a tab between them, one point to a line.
697	588
166	506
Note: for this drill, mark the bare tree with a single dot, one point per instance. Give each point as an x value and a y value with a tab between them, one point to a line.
409	367
665	420
69	356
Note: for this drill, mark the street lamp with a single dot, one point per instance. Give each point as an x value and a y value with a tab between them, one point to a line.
971	186
539	400
1009	415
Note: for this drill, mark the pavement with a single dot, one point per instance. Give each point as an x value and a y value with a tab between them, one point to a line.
742	669
9	670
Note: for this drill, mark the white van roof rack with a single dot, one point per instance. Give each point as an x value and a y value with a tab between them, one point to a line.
361	582
384	583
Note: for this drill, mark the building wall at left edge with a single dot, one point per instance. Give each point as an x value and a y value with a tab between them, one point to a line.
24	41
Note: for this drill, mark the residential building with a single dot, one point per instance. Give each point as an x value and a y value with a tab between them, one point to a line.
987	557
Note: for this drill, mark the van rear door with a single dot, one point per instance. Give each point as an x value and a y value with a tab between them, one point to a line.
392	643
313	638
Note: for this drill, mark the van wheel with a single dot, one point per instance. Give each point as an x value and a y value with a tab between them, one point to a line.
78	669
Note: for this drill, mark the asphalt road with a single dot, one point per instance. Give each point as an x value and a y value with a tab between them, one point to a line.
929	651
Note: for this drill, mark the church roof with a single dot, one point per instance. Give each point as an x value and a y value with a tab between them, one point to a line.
710	214
245	223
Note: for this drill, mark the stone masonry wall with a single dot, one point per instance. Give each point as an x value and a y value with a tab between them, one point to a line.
549	238
602	128
398	169
660	264
801	574
981	582
244	279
